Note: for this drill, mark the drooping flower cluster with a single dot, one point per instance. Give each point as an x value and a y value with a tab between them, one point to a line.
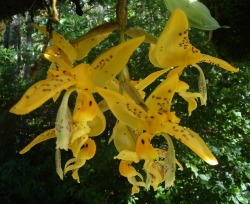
139	120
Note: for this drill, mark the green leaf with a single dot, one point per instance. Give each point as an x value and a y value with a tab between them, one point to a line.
198	14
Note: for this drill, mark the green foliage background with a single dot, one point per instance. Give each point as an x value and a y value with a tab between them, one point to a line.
224	123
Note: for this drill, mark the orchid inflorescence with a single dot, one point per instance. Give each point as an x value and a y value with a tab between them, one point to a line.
140	119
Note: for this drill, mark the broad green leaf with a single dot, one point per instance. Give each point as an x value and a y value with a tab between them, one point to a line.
198	14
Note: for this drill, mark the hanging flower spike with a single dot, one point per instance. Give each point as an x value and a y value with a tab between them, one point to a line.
173	47
74	135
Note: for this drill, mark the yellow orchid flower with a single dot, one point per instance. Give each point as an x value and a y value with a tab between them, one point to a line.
83	76
159	119
73	131
173	47
156	170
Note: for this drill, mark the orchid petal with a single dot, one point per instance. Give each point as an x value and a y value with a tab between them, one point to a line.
85	107
59	170
133	93
136	184
191	140
155	173
87	113
190	98
110	63
55	55
127	170
60	41
76	146
219	63
98	124
122	137
169	164
173	47
149	79
57	60
125	109
128	156
88	150
78	163
40	92
79	130
202	85
144	148
152	57
48	134
84	45
63	123
161	98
